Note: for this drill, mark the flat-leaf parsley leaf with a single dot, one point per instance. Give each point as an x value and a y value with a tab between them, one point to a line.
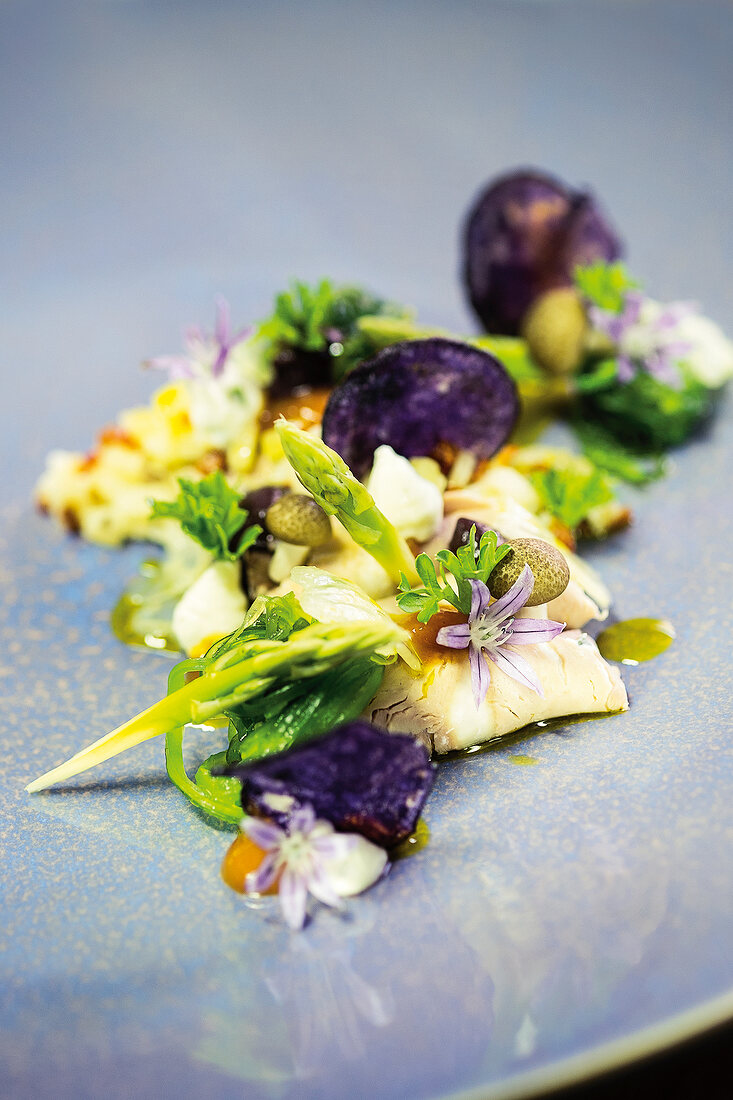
208	511
470	562
570	494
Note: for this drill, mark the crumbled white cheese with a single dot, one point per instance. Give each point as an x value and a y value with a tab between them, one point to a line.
411	502
212	607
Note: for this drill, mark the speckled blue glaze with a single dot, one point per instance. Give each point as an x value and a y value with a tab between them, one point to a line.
162	154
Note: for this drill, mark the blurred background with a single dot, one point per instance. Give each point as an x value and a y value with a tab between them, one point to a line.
157	154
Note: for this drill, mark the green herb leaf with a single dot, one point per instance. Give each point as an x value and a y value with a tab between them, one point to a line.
470	562
599	376
300	316
605	285
208	511
570	494
272	618
647	415
304	710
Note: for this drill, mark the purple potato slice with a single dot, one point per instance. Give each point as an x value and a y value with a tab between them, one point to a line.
419	394
525	234
360	778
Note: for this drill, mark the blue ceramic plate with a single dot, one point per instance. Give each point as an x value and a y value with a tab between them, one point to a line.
567	914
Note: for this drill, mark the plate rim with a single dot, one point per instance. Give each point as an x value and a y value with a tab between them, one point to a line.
616	1054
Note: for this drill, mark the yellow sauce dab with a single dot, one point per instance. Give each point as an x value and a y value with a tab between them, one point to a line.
635	640
242	857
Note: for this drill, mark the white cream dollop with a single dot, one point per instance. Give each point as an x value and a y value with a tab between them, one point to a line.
359	869
409	501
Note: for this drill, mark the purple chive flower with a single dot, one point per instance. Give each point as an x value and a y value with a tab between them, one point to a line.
491	629
644	333
300	854
205	356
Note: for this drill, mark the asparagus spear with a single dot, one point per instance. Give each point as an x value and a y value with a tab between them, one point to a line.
330	481
237	676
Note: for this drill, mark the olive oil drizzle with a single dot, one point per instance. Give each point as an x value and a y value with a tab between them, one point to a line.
547	725
412	844
121	618
635	640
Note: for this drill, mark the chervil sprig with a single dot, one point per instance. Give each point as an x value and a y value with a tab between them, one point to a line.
208	511
325	318
449	577
300	316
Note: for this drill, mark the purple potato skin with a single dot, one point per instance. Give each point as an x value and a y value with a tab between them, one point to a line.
418	394
525	234
359	777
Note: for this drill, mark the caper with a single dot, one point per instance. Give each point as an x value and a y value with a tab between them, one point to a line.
555	329
549	568
298	519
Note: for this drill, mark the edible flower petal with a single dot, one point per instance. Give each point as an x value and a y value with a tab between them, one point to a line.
647	336
309	857
204	356
492	628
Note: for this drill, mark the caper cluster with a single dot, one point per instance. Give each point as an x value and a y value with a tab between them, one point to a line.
297	518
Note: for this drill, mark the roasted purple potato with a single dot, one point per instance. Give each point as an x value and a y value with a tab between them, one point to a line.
360	778
418	395
525	234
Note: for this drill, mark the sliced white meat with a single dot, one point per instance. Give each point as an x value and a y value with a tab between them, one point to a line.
437	706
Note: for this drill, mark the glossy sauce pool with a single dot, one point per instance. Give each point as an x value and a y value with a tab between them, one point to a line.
635	640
